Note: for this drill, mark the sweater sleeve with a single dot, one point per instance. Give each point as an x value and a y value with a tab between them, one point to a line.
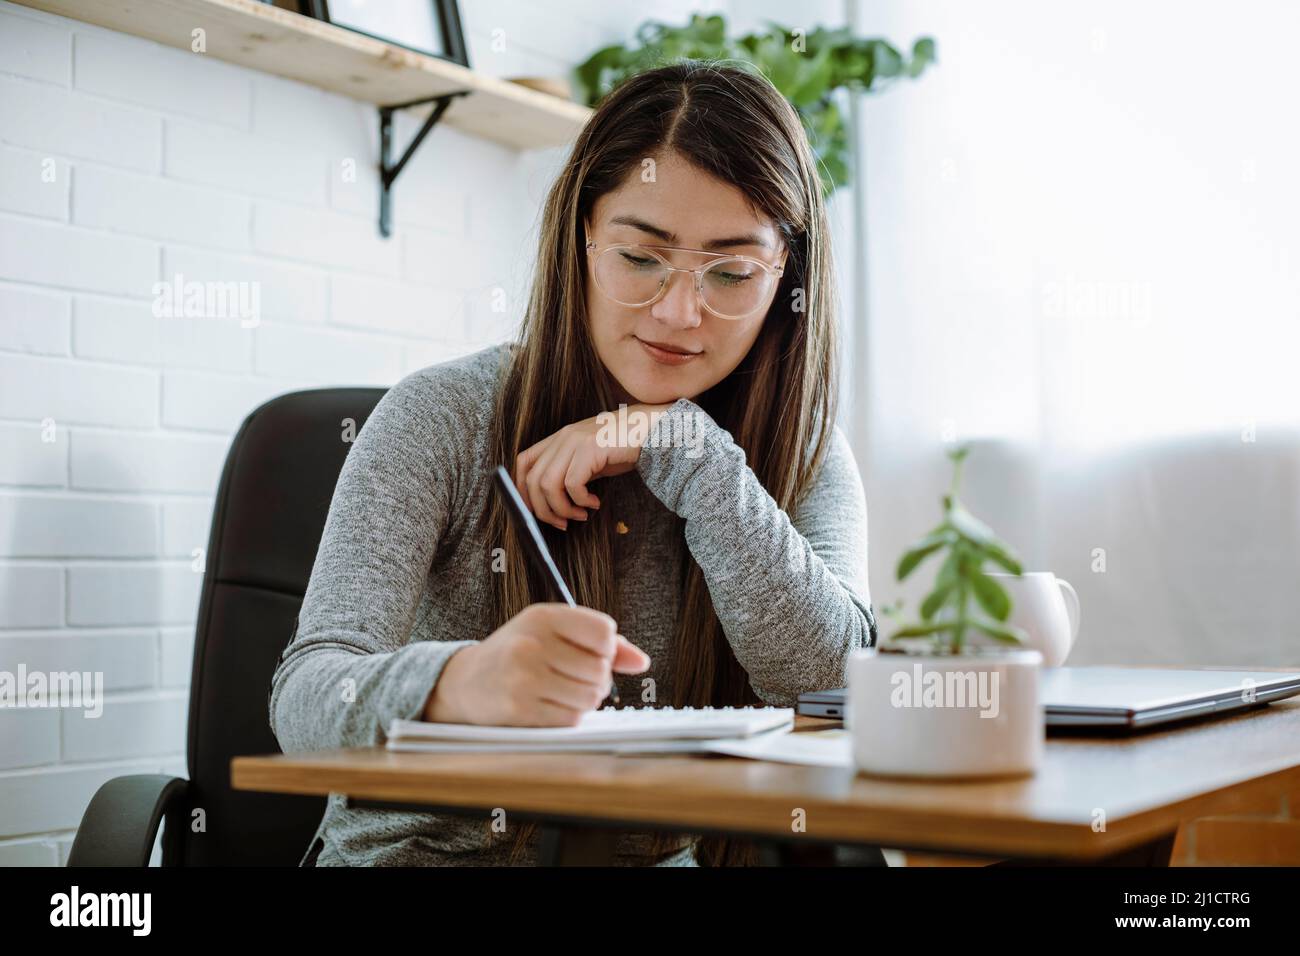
350	667
791	592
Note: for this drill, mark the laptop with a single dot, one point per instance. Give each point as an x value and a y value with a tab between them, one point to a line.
1123	697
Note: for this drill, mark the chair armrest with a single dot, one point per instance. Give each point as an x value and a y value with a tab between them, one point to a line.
121	823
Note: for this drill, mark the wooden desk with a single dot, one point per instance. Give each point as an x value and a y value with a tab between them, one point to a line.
1145	786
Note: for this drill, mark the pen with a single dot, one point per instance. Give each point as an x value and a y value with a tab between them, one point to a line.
536	544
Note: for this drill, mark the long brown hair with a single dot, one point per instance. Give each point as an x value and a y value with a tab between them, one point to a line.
779	403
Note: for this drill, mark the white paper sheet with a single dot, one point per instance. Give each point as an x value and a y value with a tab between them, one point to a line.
821	748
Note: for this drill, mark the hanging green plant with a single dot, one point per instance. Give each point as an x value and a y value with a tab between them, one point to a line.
808	67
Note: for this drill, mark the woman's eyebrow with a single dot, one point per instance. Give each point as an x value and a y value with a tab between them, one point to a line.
664	235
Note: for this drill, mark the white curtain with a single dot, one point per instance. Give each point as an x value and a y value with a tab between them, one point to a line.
1081	249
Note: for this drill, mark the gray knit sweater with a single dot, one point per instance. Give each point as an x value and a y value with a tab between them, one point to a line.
401	582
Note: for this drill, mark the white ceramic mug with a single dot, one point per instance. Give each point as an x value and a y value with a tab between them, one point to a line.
1047	607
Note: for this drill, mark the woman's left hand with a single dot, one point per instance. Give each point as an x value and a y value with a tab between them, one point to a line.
552	475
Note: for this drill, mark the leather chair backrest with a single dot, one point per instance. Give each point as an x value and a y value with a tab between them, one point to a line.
267	522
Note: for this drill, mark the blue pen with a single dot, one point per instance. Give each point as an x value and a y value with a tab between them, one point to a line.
526	524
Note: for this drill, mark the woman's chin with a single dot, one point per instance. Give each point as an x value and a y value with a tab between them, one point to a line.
656	393
640	379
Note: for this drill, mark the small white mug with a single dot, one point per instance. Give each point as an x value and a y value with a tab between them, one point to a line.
1047	608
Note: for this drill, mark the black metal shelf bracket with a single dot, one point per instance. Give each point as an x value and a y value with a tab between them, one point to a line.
389	170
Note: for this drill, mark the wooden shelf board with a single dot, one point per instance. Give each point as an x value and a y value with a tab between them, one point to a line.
283	43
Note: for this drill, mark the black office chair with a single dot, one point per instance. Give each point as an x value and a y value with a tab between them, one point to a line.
267	522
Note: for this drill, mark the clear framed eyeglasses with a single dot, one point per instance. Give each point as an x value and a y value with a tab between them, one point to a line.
730	286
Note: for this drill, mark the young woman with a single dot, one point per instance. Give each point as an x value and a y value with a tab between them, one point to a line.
714	533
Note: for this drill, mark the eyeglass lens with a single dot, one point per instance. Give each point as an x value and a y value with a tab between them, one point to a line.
632	275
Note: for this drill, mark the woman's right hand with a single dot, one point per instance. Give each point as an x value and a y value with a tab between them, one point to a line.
545	667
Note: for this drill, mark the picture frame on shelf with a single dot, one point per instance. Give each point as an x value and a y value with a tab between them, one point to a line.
431	27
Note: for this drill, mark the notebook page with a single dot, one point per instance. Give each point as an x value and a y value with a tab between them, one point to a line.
619	748
613	725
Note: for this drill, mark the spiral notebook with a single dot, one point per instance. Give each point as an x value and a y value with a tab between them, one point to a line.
613	729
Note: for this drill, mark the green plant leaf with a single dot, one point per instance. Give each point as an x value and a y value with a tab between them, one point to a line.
827	37
982	536
923	630
853	66
886	60
1006	633
950	570
711	29
812	79
923	549
968	526
923	54
936	598
833	170
781	63
991	595
1000	554
588	75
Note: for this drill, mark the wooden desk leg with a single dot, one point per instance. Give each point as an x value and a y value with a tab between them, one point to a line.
574	846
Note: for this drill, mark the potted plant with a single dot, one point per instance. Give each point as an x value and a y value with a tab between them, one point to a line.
807	66
955	693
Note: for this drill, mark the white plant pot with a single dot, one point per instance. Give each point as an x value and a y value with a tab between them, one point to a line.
976	714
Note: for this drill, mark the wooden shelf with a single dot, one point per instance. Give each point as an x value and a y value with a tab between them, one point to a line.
287	44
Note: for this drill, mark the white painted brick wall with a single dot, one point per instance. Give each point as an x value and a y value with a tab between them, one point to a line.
147	206
185	526
289	290
33	740
134	726
20	169
246	163
124	163
31	594
70	124
55	255
323	237
44	525
217	403
26	460
177	654
37	50
35	388
125	331
132	593
124	656
169	80
35	322
109	460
